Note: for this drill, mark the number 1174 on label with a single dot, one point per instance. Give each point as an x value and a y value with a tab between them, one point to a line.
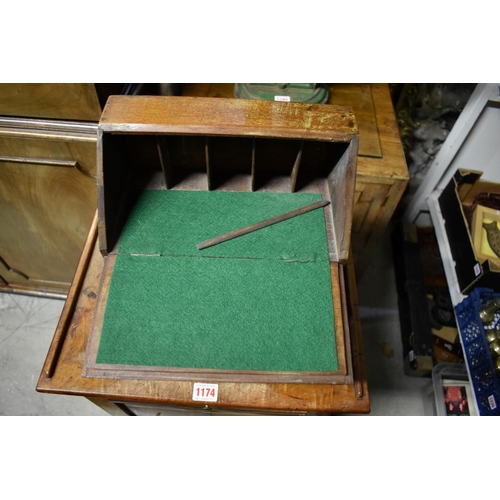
205	392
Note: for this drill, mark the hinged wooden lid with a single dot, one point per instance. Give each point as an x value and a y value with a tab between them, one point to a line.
216	116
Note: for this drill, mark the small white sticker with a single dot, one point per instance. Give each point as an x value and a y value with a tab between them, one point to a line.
411	355
284	98
205	392
477	269
492	402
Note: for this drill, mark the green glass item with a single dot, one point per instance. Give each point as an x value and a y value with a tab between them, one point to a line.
292	92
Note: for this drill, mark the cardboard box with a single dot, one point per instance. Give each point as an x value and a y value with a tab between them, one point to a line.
447	333
456	201
445	356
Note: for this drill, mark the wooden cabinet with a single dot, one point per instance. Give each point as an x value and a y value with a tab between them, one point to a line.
381	179
58	101
47	199
48	192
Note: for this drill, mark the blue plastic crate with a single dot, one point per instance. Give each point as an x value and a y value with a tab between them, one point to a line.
477	352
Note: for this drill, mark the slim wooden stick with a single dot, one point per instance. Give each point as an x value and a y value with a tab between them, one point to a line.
259	225
71	300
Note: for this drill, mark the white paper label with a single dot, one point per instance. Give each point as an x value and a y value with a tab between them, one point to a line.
205	392
284	98
411	355
492	402
477	269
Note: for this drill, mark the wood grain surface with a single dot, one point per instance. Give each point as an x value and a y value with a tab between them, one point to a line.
48	197
380	184
69	306
66	101
149	114
359	97
47	183
356	95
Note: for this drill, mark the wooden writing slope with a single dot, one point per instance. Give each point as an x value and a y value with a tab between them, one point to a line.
149	316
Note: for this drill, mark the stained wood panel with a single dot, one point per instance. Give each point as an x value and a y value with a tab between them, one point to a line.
188	115
356	95
32	151
65	101
359	97
46	213
48	188
371	200
389	172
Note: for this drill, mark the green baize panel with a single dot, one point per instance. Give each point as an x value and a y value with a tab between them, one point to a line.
259	302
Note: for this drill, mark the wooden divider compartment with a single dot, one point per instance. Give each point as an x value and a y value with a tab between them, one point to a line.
133	163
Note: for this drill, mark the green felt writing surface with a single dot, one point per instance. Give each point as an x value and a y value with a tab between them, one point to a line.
173	222
264	304
234	314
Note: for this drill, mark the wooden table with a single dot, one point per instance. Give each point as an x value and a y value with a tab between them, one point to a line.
382	174
380	182
62	371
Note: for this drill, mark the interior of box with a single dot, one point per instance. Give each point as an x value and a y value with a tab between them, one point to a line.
252	164
260	302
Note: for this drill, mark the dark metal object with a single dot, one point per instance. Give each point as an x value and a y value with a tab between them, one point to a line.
487	313
495	347
131	88
259	225
491	335
2	261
